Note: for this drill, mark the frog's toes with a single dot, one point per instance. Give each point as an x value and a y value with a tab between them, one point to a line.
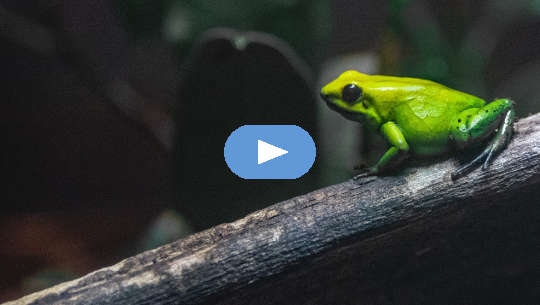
465	169
488	158
360	176
364	180
369	171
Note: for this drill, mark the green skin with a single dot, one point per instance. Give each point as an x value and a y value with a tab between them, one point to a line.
421	117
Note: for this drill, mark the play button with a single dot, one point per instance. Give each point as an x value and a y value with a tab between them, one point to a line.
269	152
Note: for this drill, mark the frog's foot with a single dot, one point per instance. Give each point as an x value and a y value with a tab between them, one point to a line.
364	180
502	138
360	176
499	142
369	171
465	169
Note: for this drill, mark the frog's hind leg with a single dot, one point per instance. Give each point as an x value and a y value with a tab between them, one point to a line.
476	124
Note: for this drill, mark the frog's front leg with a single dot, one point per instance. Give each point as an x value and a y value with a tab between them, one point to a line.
395	154
476	124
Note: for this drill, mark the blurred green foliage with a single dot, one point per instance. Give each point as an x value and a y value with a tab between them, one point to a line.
430	50
449	42
180	22
446	41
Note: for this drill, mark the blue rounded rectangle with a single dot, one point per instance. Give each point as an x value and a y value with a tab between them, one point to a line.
269	151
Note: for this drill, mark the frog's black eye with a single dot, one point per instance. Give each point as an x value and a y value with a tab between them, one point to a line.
351	93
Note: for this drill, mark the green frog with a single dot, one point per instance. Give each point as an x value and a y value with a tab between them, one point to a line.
421	117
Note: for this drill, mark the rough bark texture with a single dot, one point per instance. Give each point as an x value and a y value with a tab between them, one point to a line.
414	237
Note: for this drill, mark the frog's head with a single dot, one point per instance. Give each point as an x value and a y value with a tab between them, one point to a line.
347	95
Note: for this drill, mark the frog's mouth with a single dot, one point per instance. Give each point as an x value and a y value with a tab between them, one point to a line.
348	114
329	101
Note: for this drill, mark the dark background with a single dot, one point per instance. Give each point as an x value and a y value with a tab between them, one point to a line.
115	112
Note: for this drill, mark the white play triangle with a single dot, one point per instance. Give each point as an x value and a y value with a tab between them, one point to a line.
267	152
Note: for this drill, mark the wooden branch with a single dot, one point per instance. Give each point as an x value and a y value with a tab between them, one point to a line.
416	237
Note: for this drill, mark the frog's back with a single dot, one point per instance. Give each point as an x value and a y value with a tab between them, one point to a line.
391	91
423	109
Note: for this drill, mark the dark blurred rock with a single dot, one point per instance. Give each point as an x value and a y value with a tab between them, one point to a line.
233	79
